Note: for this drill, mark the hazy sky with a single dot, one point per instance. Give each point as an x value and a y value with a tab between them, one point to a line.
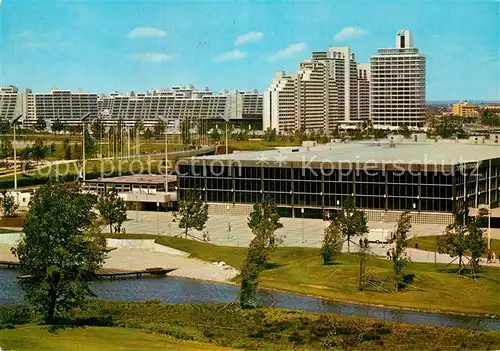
101	46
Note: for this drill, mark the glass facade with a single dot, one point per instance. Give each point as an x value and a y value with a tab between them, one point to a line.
327	188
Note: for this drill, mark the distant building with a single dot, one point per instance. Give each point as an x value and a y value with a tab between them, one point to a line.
397	89
182	103
464	109
63	105
323	93
8	102
176	104
491	108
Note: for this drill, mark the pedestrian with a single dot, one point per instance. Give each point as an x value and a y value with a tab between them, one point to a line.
208	236
204	236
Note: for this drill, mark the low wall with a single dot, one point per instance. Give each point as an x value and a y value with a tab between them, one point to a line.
144	244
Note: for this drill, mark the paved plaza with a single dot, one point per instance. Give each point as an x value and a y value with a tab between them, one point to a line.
233	230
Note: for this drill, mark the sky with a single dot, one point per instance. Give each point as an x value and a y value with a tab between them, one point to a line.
110	45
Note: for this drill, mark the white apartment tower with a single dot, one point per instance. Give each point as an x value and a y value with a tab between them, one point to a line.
323	93
8	102
397	85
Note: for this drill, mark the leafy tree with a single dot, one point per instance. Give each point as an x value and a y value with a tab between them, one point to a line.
215	135
185	131
90	145
97	129
39	149
398	253
332	243
159	129
67	149
4	126
380	134
270	135
112	208
192	213
40	124
477	245
148	134
6	149
52	149
60	249
263	222
352	221
363	249
77	151
57	126
9	205
404	131
454	241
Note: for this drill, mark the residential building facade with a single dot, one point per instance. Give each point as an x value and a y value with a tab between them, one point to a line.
464	109
63	105
323	93
8	102
397	86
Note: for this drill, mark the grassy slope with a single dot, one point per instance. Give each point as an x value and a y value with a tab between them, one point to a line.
300	270
34	338
429	243
228	325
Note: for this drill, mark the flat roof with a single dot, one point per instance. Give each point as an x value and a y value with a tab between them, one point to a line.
136	179
444	152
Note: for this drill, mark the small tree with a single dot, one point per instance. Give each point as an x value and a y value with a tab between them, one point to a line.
215	135
454	241
6	149
398	254
9	205
159	129
148	134
57	126
113	210
332	243
263	222
4	126
39	149
363	250
60	249
192	213
52	149
40	124
352	221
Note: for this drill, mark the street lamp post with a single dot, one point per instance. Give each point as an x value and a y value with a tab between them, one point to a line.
13	123
83	146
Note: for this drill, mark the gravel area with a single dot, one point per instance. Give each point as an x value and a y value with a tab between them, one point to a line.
125	259
139	259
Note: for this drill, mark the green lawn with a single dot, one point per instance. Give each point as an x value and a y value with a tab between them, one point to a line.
258	145
300	270
151	325
429	243
35	338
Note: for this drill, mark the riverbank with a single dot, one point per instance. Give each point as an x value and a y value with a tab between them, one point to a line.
226	325
299	270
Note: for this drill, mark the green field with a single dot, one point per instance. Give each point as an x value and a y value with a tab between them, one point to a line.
35	338
214	326
300	270
258	145
429	243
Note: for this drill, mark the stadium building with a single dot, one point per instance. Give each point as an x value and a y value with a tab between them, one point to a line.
430	179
